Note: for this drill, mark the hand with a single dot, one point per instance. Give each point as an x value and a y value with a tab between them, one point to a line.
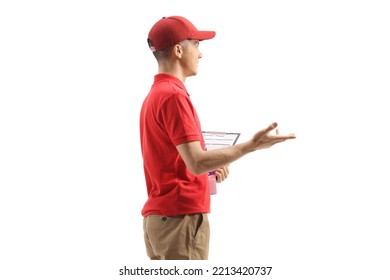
222	173
265	139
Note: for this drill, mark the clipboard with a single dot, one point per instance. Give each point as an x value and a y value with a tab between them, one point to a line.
216	140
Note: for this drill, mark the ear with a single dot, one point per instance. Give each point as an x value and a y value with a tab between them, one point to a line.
178	50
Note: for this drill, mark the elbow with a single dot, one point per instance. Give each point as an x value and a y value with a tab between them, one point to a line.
197	168
194	157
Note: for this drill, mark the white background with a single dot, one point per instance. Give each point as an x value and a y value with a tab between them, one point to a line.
74	75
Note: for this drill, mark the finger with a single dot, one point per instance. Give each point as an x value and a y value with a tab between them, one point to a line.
221	175
289	136
271	127
285	136
225	171
218	177
282	138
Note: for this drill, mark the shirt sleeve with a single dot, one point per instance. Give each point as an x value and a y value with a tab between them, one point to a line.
180	120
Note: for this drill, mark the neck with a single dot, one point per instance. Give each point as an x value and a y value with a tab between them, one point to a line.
172	69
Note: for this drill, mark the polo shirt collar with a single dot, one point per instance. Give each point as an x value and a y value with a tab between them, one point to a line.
171	78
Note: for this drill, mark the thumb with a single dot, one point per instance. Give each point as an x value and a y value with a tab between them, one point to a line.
271	127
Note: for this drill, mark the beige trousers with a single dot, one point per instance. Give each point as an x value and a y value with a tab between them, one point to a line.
177	238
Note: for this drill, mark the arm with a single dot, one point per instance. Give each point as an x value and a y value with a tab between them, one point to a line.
199	161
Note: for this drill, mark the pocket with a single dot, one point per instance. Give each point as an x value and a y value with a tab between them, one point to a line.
201	225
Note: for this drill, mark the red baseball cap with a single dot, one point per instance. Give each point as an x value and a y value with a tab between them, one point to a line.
169	31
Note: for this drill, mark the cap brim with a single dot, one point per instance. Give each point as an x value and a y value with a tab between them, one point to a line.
203	35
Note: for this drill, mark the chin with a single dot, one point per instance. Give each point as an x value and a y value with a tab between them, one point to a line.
193	74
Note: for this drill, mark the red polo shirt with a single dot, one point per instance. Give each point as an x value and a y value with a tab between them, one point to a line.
168	119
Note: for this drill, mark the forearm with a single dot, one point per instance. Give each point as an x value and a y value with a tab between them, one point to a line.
199	161
211	160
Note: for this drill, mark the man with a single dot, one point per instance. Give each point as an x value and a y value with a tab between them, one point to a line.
176	162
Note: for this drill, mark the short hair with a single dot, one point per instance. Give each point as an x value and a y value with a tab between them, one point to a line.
161	54
164	53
